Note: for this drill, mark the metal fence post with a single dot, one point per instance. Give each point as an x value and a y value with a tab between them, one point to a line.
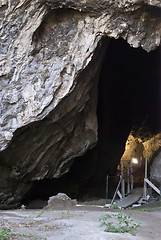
131	175
128	176
123	181
145	184
106	188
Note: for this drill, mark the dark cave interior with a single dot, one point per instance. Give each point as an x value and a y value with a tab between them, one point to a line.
128	97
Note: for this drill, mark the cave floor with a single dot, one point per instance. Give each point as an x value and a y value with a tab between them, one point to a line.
79	223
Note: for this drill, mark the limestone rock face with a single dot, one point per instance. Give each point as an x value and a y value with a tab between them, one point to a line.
43	50
155	170
50	57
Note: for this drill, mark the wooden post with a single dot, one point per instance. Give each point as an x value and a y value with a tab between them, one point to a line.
128	176
145	184
131	175
123	181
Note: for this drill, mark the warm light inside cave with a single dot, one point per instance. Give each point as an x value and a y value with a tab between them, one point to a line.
134	160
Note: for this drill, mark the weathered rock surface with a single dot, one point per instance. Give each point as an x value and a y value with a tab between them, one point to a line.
61	200
42	50
155	170
141	147
50	57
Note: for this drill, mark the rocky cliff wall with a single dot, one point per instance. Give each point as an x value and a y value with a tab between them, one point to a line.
155	169
44	45
50	58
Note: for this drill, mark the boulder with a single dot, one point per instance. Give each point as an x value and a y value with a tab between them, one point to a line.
61	200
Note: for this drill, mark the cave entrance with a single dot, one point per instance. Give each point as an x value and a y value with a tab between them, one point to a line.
128	102
128	99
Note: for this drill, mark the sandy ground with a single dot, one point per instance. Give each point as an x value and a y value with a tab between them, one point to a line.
81	223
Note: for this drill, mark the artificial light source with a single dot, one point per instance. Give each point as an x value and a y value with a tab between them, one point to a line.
134	160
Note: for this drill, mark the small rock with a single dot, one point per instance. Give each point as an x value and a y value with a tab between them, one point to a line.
61	200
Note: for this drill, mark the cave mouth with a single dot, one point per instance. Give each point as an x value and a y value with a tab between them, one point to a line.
128	97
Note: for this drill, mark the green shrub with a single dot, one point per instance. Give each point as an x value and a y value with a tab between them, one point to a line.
122	223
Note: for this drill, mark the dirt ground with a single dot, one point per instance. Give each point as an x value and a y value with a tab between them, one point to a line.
79	223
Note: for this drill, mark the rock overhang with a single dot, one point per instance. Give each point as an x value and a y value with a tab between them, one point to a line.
64	30
44	59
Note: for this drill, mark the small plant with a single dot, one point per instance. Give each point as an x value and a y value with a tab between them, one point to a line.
114	206
130	208
40	214
68	212
5	233
122	223
104	217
